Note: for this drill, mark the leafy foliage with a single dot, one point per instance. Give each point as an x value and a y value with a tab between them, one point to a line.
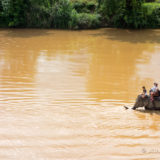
112	10
124	13
14	12
80	14
52	14
134	15
84	6
152	12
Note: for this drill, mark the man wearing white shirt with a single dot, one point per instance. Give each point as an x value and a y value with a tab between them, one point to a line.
155	87
154	92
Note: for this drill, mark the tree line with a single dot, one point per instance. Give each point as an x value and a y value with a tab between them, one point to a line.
79	14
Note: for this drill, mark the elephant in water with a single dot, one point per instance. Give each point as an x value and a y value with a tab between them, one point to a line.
147	103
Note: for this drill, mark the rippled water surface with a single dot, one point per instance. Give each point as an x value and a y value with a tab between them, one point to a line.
62	94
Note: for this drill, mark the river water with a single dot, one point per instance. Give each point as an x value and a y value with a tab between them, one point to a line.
62	94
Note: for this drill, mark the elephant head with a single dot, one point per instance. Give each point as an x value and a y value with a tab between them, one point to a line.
141	102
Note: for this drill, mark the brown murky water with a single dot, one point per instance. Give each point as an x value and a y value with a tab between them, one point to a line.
62	94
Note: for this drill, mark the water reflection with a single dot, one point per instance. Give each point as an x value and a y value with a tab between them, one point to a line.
149	69
131	36
61	94
115	63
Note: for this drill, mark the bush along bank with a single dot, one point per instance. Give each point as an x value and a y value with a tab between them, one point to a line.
61	14
79	14
131	13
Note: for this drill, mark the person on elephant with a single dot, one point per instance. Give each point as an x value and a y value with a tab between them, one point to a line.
148	102
144	92
154	94
154	88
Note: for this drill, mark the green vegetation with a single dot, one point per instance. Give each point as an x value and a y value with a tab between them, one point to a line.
85	6
151	7
152	12
131	13
80	14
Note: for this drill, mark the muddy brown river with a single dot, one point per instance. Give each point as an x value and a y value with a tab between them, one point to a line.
62	94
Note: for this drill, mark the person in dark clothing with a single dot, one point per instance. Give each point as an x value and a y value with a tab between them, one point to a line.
144	92
154	94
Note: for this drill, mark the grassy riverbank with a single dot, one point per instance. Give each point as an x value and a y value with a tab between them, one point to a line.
79	14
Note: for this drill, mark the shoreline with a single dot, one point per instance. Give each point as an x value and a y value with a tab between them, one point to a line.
23	28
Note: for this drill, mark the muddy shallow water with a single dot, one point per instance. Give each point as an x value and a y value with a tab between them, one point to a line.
62	94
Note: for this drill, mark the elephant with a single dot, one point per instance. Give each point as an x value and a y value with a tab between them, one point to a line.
147	103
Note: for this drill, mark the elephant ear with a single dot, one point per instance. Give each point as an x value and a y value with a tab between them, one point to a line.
146	101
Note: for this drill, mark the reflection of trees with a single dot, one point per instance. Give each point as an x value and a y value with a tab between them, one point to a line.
113	66
130	36
24	54
106	58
